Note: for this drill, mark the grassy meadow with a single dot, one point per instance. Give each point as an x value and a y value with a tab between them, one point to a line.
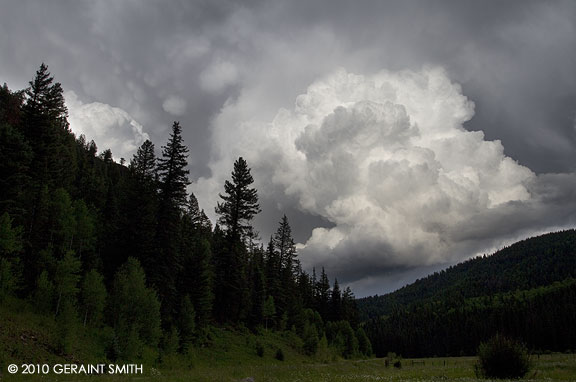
553	367
230	356
549	367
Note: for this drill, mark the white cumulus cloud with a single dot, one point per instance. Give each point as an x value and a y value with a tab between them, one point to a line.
386	159
110	127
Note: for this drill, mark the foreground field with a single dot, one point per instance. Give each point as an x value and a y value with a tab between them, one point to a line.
550	367
28	338
547	368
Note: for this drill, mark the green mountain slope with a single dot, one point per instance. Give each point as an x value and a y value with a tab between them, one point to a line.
527	264
527	291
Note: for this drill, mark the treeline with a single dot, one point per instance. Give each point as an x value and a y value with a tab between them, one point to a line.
527	264
543	318
526	291
100	244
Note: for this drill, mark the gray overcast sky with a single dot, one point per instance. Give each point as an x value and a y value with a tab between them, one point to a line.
398	136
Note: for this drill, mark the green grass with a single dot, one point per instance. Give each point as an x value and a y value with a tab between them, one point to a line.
231	355
547	368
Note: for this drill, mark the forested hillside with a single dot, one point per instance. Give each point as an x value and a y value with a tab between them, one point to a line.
526	290
124	247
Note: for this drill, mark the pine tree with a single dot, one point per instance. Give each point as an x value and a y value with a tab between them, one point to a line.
173	181
305	289
106	156
143	163
288	264
258	289
47	129
284	244
336	302
53	165
239	206
349	310
15	154
11	106
197	276
45	98
273	271
240	203
197	216
172	170
142	207
323	295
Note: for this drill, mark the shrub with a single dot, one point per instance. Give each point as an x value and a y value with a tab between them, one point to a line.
279	355
503	358
393	359
259	349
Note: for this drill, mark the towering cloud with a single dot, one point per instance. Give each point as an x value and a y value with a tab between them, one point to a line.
387	160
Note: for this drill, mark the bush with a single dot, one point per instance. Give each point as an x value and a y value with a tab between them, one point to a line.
279	355
394	360
259	349
503	358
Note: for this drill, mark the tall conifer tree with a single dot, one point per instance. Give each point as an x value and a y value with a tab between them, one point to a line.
286	251
240	202
285	246
323	295
197	271
239	206
47	128
173	197
143	164
142	207
172	170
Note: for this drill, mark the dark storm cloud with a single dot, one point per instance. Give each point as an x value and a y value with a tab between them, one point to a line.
515	59
131	55
226	68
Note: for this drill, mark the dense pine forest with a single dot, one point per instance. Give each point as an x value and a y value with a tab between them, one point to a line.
124	247
525	291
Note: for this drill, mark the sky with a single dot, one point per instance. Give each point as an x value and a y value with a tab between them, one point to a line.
399	137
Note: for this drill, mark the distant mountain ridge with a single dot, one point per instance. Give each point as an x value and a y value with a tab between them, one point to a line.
526	290
527	264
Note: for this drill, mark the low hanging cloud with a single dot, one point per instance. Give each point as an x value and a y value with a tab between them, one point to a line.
386	160
110	127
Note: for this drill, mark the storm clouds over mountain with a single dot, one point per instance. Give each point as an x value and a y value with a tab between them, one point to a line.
398	136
